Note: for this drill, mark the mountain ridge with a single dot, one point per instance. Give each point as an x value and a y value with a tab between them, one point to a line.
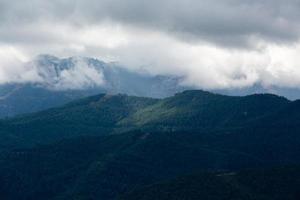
59	81
85	150
106	114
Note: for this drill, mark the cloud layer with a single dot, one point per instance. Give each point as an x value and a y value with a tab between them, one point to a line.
212	44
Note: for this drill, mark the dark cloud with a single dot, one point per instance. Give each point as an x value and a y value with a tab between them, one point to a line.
226	22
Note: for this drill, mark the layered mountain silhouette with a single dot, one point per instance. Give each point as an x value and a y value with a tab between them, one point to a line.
54	81
193	145
58	81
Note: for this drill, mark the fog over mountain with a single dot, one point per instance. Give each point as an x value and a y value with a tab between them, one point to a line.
51	81
213	45
139	99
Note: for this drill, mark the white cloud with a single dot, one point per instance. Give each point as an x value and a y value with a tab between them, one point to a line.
80	76
12	68
212	44
15	68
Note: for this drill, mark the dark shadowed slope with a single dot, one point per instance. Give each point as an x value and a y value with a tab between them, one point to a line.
190	132
108	166
26	98
268	184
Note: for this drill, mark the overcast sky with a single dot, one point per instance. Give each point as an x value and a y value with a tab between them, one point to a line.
212	43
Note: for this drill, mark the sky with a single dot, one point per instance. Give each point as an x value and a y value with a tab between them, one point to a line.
212	44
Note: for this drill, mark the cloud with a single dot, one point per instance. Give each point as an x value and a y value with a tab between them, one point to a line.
43	71
210	67
212	44
79	75
12	68
227	22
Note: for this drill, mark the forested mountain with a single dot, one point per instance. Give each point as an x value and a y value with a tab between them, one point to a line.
104	114
119	146
276	184
108	167
57	81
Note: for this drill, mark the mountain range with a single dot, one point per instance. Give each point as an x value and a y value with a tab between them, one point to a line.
192	145
105	114
58	81
51	81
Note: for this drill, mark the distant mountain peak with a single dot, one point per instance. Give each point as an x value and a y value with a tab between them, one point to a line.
67	73
59	80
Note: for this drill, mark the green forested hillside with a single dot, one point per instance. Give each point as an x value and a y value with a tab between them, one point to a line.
97	115
109	147
105	114
204	110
